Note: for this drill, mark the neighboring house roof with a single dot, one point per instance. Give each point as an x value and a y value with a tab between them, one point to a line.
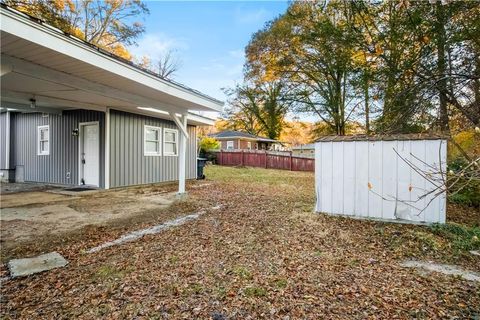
390	137
308	146
224	135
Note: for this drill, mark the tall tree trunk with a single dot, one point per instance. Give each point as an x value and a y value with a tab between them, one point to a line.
441	67
476	89
343	106
367	102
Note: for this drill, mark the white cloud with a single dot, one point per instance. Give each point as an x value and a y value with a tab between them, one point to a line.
243	16
154	45
214	75
217	68
237	54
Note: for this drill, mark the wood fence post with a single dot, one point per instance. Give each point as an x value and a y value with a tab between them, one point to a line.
266	160
290	160
241	159
220	160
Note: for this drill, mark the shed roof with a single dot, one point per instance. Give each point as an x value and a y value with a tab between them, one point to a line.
390	137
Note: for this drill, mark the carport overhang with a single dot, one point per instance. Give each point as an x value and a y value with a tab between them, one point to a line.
46	70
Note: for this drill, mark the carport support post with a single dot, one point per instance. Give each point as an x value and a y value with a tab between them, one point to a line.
182	150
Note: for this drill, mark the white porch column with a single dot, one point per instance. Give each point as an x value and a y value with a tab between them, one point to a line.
182	157
182	150
7	143
107	149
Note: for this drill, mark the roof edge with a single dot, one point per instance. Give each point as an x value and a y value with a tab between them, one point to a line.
5	9
392	137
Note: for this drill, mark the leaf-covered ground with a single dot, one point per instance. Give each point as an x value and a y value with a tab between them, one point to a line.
264	254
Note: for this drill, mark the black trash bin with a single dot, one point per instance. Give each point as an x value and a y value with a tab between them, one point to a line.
201	163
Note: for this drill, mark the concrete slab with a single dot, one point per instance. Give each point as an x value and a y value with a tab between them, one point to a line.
132	236
18	187
442	268
475	252
28	266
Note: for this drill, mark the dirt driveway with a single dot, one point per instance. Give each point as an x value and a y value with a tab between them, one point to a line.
31	215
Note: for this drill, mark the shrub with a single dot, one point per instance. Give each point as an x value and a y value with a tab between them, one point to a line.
469	195
208	144
461	237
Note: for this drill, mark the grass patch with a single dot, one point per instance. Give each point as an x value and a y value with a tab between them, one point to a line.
173	259
242	272
110	272
281	283
461	237
255	175
428	240
355	262
255	292
195	288
220	292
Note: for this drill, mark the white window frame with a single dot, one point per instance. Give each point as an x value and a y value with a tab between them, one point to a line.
249	145
230	142
39	142
159	142
175	131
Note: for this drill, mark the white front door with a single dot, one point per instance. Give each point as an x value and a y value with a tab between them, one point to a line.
90	154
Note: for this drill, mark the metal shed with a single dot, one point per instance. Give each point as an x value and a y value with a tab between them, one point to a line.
395	178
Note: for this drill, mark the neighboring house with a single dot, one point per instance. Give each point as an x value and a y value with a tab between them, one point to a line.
237	140
74	114
304	150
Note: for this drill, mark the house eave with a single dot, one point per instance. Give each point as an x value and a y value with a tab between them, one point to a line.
49	38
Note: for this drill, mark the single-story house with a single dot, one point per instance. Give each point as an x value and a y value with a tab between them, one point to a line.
237	140
304	150
74	114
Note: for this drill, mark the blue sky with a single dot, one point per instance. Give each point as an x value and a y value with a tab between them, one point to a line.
208	37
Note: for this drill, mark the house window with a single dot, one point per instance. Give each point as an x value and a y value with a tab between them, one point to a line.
230	145
152	141
249	145
170	142
43	138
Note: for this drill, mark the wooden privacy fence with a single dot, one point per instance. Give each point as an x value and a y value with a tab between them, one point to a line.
265	159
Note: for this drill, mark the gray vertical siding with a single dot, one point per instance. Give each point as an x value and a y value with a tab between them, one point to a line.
63	155
3	140
129	166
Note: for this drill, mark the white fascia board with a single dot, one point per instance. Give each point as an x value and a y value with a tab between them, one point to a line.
201	120
51	38
192	119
